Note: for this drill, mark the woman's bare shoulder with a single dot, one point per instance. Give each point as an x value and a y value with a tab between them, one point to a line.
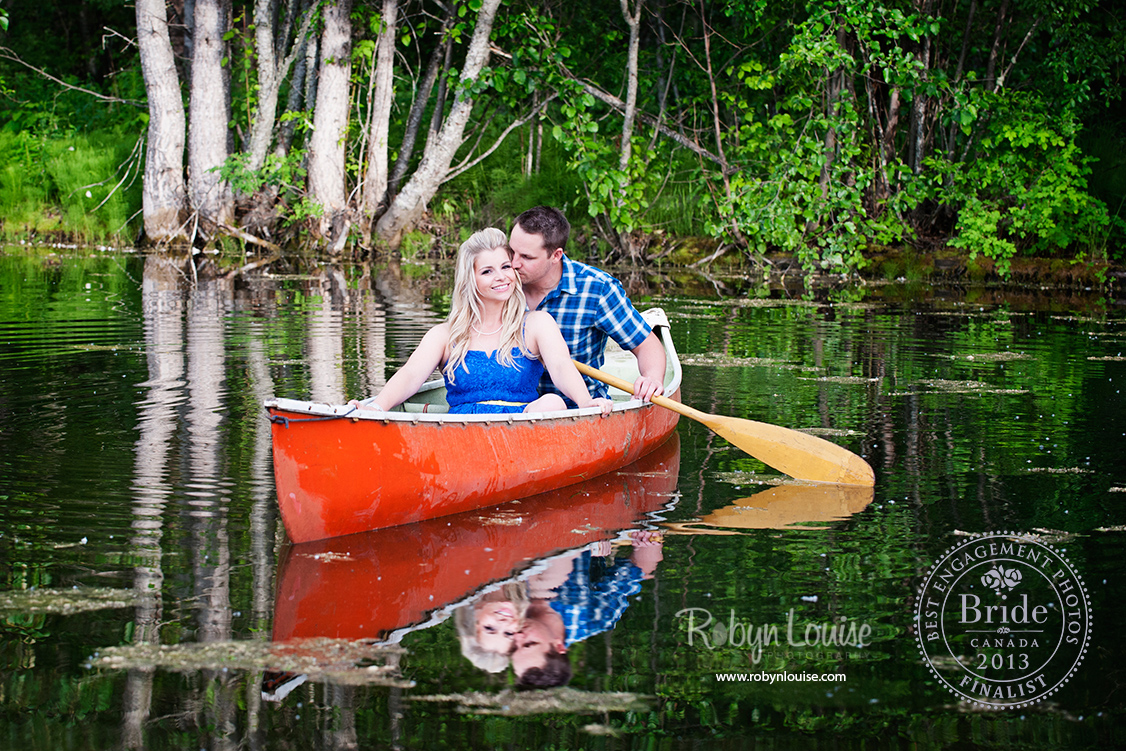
541	319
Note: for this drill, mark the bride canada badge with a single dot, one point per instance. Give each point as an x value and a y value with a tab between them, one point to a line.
1003	620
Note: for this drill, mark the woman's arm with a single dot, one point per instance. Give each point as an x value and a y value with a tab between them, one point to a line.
545	340
429	354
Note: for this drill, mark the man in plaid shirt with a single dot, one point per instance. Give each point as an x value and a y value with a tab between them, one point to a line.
588	304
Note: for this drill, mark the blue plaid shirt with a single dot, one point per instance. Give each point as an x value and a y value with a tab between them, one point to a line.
595	595
590	305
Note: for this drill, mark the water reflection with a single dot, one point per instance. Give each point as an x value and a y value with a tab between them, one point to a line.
162	306
490	569
782	507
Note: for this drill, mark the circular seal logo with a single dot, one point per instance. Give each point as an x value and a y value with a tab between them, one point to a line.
1003	620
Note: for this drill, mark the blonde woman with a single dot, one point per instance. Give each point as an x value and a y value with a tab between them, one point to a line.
490	349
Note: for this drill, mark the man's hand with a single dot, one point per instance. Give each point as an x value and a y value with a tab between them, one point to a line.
646	388
650	356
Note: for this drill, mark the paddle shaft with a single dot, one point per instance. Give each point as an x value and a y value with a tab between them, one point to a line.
626	386
800	455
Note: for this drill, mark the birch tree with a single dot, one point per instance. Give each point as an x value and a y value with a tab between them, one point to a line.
326	174
375	175
209	115
409	205
418	108
276	48
164	196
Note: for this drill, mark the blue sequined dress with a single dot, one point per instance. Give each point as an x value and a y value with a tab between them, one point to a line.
486	380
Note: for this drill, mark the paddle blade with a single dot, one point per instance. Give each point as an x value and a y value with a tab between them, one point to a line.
791	506
799	455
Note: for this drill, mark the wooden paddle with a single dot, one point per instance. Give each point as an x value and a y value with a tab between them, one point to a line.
799	455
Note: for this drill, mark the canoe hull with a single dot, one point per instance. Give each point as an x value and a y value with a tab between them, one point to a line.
339	476
379	584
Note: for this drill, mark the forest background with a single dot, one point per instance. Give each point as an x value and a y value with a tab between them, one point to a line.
823	130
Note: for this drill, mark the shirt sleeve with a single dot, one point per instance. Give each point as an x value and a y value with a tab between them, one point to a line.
619	318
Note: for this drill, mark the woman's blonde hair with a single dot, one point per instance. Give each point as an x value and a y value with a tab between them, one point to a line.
465	307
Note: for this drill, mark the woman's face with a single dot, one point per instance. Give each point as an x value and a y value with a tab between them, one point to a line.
497	625
493	274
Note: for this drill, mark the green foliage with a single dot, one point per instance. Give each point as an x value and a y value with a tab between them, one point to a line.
681	209
415	245
839	125
85	186
1025	190
301	210
285	172
806	174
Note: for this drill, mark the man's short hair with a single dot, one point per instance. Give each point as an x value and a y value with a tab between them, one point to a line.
547	222
556	671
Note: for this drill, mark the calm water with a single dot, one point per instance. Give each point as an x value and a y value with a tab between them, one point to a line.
148	592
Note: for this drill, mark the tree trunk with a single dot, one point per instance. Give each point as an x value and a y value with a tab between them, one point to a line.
296	99
270	43
327	185
836	88
375	175
995	49
269	83
887	148
439	112
920	104
952	136
209	115
634	22
409	205
163	196
414	120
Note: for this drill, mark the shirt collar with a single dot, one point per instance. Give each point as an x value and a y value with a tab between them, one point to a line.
567	282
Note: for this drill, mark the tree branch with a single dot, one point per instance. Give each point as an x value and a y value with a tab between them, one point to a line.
653	122
8	54
466	165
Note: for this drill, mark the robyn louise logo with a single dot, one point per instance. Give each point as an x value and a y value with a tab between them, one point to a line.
1003	620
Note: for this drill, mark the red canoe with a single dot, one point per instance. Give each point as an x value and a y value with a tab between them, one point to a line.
340	471
380	585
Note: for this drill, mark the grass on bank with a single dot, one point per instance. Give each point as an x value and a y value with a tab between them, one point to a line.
83	187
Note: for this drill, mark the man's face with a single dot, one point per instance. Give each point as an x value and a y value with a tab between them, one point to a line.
530	258
533	642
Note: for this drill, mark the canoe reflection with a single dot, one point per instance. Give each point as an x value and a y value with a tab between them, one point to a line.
378	586
782	507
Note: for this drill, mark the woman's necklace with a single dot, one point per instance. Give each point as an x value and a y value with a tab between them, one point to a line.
488	333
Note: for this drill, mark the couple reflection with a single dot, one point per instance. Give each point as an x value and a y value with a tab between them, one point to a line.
530	624
520	581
